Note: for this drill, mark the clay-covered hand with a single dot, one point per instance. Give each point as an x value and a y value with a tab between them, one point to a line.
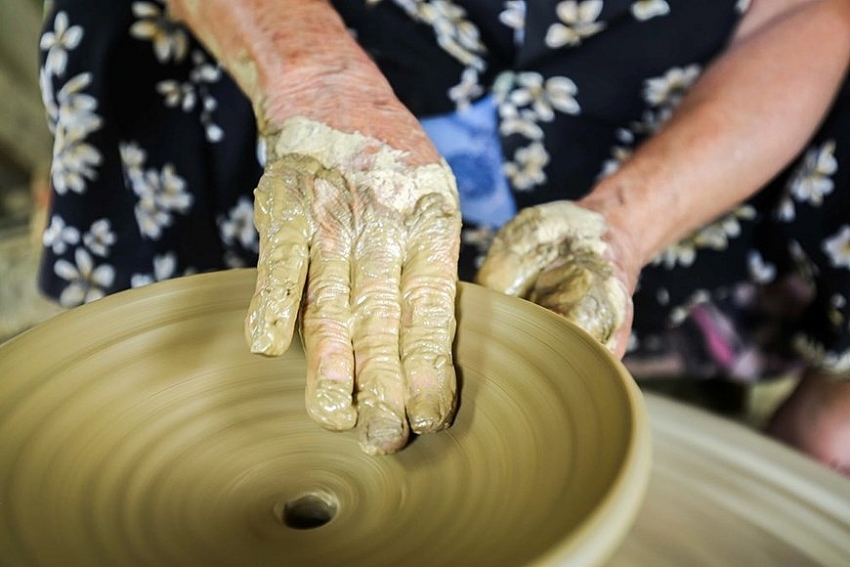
557	256
363	245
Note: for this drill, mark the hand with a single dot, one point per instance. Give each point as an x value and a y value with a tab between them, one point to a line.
556	255
366	244
358	218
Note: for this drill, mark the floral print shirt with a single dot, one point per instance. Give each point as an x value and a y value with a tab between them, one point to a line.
530	101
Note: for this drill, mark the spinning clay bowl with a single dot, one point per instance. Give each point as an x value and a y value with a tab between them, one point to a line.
139	430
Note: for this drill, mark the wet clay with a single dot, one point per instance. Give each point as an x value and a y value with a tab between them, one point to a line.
555	255
149	435
366	247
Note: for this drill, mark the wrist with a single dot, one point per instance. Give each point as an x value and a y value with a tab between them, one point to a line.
626	247
341	93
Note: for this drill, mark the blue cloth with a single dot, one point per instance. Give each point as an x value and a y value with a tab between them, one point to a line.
469	141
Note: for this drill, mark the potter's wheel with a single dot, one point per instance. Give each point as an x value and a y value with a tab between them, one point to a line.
138	430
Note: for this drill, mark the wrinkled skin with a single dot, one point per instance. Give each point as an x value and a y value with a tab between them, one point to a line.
372	242
556	256
751	111
358	218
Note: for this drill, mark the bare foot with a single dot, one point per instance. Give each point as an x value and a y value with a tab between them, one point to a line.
816	420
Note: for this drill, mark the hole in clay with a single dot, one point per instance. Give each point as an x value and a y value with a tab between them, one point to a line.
308	512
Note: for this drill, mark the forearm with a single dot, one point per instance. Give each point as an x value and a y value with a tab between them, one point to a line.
296	58
280	52
750	112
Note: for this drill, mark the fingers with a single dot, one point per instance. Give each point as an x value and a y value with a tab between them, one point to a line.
376	307
521	249
582	287
533	240
347	236
326	318
555	256
284	227
429	282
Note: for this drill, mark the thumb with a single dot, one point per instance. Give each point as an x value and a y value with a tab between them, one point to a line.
532	240
517	255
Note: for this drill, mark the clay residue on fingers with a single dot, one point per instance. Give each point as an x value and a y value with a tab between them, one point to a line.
556	256
381	431
366	205
328	396
284	228
326	318
366	162
533	240
376	308
429	288
431	407
582	287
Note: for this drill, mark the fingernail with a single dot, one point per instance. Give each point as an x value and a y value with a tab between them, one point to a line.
267	337
332	408
330	403
428	413
383	436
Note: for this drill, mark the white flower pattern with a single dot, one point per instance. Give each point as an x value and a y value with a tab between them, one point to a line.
681	312
578	21
669	89
812	181
647	9
455	33
58	42
238	226
713	236
762	272
71	112
161	193
532	101
620	153
519	122
58	236
468	89
527	168
513	16
544	96
524	100
100	238
75	161
814	351
458	37
164	267
86	280
837	248
188	94
154	23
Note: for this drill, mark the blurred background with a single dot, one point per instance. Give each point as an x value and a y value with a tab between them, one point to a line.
25	145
